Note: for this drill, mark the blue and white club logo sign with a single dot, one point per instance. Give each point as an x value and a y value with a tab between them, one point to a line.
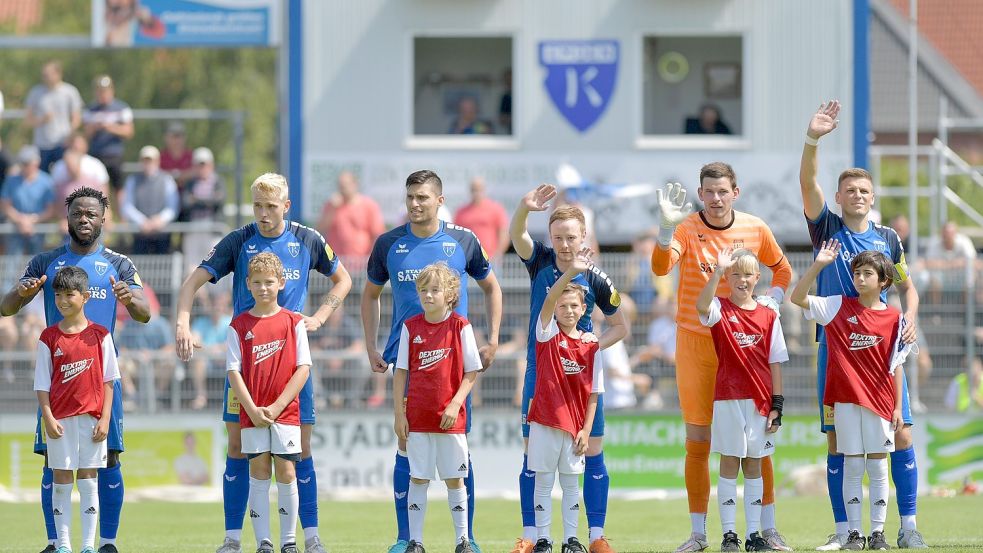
580	77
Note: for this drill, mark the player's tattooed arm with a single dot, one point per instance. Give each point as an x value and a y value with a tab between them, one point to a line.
341	285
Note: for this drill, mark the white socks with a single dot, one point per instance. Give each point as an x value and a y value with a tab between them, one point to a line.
89	508
908	522
698	522
570	485
877	474
457	501
768	517
61	505
416	501
287	500
544	503
853	491
753	489
727	498
259	508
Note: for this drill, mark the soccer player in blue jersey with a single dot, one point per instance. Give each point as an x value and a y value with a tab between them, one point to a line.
302	250
855	231
398	256
567	232
112	279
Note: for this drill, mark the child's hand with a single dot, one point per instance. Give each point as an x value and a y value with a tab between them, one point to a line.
53	428
272	411
772	427
449	418
101	430
897	420
402	427
725	259
259	418
580	442
581	262
828	252
588	337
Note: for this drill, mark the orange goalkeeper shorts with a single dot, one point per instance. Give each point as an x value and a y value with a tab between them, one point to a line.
696	375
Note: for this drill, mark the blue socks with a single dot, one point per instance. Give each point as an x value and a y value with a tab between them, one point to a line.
47	489
596	484
527	489
307	491
235	492
401	488
904	472
110	501
469	486
834	481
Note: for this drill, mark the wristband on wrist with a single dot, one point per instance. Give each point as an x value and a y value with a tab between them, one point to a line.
812	141
665	235
777	404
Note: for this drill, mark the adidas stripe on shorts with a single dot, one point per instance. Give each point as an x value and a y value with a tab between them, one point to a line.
433	453
551	450
738	430
278	439
860	431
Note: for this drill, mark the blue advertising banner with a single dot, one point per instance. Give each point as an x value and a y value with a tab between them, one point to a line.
580	77
181	23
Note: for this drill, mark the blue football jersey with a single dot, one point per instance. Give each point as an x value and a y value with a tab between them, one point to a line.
543	273
398	256
300	248
100	265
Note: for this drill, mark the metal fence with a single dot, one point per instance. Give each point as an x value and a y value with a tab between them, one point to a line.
951	322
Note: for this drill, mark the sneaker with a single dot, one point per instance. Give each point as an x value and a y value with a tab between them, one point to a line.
265	546
228	546
88	550
573	546
696	542
775	540
543	545
731	542
414	547
399	546
50	549
464	546
600	545
522	545
834	542
474	546
313	545
854	542
877	541
911	539
289	548
755	542
62	550
108	548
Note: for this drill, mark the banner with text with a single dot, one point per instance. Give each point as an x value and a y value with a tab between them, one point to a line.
183	23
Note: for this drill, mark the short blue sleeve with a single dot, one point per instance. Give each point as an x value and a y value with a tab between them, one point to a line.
377	267
222	259
824	227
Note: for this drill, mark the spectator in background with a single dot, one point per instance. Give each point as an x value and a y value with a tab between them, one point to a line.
209	330
965	393
661	345
351	221
467	121
620	384
640	279
202	201
945	264
108	124
75	170
54	111
902	226
177	157
486	218
150	201
146	346
190	468
710	121
505	104
27	199
342	376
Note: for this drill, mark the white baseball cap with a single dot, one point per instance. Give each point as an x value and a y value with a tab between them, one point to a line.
149	152
202	155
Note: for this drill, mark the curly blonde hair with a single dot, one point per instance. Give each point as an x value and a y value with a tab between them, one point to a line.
446	277
266	263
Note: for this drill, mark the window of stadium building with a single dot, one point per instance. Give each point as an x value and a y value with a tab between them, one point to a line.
693	86
462	88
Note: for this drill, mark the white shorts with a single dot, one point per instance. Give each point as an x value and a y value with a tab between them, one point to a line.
551	450
738	430
860	431
75	449
280	439
432	453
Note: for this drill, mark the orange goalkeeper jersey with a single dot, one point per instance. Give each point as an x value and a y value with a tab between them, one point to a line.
695	244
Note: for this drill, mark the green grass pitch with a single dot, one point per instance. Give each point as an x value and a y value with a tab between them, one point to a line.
951	524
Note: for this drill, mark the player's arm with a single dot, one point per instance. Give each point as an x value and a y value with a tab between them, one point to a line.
535	200
897	419
184	341
21	294
290	391
771	254
493	313
371	314
341	286
579	265
673	209
724	262
909	300
132	298
827	254
821	124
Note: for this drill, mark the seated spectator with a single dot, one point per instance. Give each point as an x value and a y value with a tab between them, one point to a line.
27	199
176	158
944	266
965	393
621	387
210	331
344	372
351	221
709	121
150	201
486	218
108	124
505	103
661	345
77	169
202	200
147	346
467	121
